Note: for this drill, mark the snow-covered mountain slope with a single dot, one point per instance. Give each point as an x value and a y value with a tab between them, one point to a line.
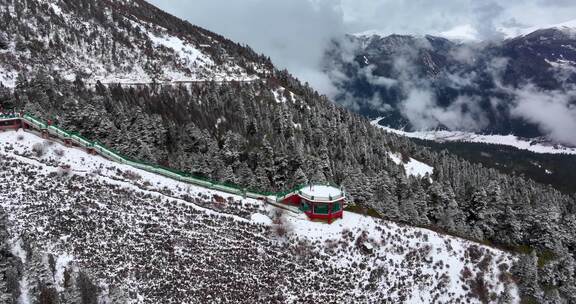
462	136
85	227
115	42
489	87
468	33
513	32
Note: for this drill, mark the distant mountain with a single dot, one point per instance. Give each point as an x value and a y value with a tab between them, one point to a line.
423	83
467	32
516	31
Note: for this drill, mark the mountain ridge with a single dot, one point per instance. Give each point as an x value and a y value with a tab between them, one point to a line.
189	53
429	82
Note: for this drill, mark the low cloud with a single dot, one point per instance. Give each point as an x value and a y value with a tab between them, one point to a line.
368	73
293	33
486	14
553	111
424	113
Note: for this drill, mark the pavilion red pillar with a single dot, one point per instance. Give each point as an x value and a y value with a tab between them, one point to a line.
313	210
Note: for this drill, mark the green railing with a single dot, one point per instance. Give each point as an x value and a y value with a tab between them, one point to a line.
9	116
169	172
120	158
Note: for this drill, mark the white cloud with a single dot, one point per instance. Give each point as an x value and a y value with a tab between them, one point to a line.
553	111
423	111
294	33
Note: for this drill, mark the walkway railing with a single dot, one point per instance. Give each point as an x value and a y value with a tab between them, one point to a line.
111	154
186	177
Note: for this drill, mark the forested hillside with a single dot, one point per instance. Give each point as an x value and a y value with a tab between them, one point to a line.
96	231
124	41
246	134
557	170
273	132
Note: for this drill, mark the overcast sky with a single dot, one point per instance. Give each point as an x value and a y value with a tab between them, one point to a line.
294	32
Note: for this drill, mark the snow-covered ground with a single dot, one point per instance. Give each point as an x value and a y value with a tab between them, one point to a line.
413	167
8	78
397	252
460	136
195	245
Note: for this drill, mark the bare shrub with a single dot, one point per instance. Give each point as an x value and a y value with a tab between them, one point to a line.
88	290
466	273
38	149
20	137
277	216
280	227
474	253
64	170
59	152
131	175
479	289
48	295
280	230
302	249
405	157
361	239
485	263
218	199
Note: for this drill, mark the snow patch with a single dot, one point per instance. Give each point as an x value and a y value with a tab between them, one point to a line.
465	32
412	167
260	219
8	78
513	32
17	250
62	263
183	49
